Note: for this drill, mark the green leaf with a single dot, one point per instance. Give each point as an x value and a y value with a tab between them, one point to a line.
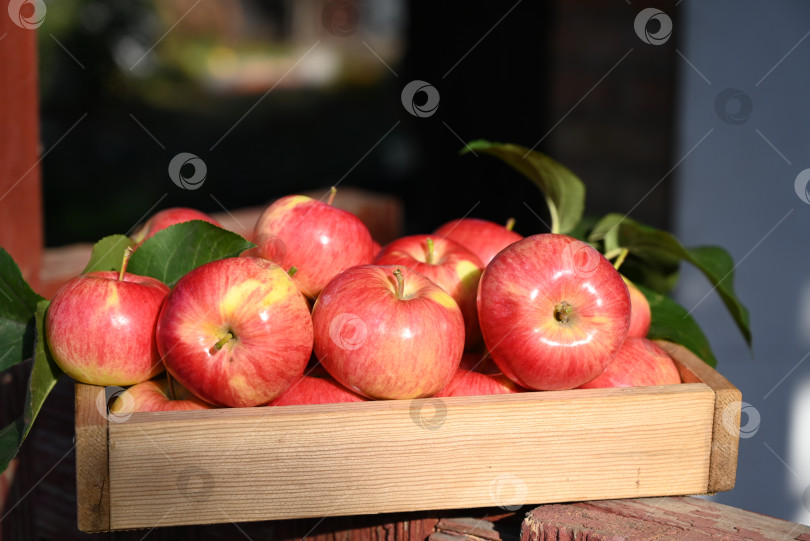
18	303
44	375
564	192
108	253
180	248
656	247
670	321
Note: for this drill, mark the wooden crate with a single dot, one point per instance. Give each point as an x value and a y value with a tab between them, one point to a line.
250	464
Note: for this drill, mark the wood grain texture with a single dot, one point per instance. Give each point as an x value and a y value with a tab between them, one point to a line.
651	519
92	479
727	405
234	465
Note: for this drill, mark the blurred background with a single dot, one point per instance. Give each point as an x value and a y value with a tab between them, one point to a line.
691	117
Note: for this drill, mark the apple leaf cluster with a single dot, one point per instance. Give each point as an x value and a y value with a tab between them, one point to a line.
647	256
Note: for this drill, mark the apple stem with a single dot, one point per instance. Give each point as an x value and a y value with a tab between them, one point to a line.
218	346
292	271
332	192
124	262
429	257
510	224
562	312
400	283
619	260
169	379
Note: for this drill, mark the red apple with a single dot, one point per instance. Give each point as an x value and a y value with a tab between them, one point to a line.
639	362
168	217
553	312
640	315
155	395
450	265
100	328
236	332
469	383
316	390
316	238
388	332
481	237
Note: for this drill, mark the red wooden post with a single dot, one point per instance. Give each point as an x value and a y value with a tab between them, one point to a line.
20	191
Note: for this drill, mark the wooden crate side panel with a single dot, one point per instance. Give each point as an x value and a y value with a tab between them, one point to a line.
727	406
312	461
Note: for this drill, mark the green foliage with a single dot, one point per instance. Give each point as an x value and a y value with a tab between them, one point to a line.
176	250
562	189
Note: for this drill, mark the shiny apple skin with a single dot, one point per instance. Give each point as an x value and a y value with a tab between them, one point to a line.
481	237
316	238
316	390
268	316
640	315
153	395
639	362
382	346
167	218
453	267
471	383
101	331
517	297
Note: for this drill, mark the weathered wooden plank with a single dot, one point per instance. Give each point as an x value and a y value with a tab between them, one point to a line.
92	459
651	519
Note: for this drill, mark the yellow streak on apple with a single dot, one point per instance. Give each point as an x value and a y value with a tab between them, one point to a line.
112	298
243	294
443	298
468	272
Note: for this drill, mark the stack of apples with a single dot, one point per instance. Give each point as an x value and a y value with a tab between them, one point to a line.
317	312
